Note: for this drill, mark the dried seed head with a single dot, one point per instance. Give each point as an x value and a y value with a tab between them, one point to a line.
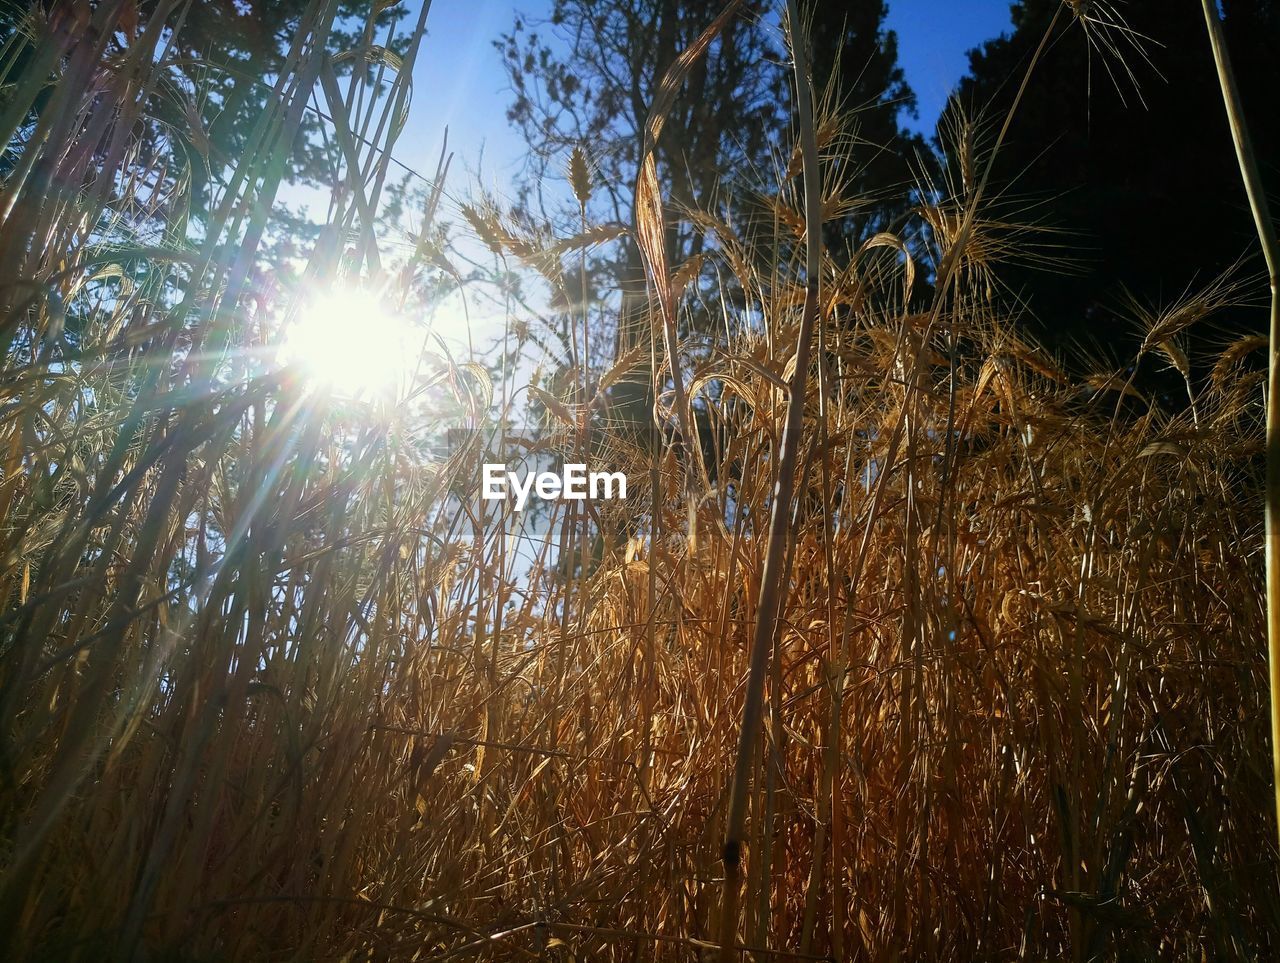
484	221
1177	357
580	175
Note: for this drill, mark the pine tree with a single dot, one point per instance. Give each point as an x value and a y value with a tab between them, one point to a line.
587	75
1122	142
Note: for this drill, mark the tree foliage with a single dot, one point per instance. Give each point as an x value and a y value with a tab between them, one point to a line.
587	75
1121	141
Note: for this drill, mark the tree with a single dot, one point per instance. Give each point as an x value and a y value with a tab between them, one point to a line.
586	76
1122	128
588	73
592	80
856	60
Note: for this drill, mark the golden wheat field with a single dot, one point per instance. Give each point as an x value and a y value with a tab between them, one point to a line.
911	640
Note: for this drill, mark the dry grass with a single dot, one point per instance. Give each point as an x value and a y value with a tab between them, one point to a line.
269	691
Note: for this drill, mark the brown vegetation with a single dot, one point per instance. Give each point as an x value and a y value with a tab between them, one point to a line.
268	692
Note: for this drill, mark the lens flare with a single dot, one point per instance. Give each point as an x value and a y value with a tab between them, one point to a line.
347	340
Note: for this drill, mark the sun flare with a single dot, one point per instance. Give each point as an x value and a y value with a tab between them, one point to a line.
347	340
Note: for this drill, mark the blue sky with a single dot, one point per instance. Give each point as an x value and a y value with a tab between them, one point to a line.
934	37
458	80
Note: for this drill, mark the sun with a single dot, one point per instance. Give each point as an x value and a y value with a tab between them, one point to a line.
347	340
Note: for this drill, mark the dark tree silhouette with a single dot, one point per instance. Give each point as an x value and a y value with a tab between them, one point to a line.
856	59
1122	141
